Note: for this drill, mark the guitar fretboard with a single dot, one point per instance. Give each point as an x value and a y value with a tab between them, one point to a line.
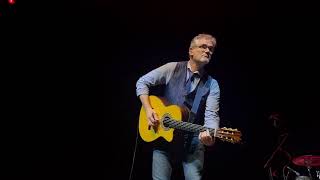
185	126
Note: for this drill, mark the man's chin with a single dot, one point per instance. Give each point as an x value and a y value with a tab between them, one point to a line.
205	60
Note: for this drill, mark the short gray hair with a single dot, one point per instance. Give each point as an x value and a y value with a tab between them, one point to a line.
202	36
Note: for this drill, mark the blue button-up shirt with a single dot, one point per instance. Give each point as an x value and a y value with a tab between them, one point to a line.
162	75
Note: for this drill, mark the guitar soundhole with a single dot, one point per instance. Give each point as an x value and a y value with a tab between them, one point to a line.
165	120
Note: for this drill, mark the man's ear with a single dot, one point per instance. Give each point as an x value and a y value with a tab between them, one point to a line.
190	52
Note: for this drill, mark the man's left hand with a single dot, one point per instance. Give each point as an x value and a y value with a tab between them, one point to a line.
206	138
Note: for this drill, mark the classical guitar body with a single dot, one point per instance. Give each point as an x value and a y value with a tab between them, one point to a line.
163	110
171	117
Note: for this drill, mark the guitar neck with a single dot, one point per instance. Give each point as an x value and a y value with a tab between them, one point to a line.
186	126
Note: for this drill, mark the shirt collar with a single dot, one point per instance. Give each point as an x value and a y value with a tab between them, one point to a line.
200	72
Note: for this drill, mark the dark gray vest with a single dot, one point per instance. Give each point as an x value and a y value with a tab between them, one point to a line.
175	92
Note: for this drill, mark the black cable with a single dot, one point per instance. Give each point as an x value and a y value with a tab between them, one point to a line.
134	153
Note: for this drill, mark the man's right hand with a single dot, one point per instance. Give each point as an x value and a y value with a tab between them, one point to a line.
153	119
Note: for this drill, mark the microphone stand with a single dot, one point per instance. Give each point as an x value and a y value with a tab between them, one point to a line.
268	163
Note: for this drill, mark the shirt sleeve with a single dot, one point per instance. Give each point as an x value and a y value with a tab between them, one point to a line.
211	118
158	76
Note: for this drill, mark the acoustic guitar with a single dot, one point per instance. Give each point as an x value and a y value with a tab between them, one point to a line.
171	117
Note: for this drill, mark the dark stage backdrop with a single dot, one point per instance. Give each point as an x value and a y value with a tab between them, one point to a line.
80	86
262	65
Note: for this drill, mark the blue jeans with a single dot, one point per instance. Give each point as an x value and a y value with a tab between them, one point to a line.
192	162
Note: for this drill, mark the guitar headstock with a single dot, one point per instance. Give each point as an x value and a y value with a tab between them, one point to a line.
229	135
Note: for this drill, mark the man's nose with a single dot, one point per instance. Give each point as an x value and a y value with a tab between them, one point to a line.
207	51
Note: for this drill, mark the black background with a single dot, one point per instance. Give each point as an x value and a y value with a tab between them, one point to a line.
70	71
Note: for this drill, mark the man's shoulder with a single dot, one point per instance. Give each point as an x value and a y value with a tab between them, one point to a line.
176	62
170	65
173	64
212	80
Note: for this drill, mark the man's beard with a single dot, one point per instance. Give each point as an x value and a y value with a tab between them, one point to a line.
205	59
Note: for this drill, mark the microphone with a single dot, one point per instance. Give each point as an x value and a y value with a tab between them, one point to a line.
297	173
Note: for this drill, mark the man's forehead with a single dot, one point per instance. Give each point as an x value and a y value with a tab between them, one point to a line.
205	41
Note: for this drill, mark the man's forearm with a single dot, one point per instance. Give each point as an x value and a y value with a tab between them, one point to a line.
144	98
